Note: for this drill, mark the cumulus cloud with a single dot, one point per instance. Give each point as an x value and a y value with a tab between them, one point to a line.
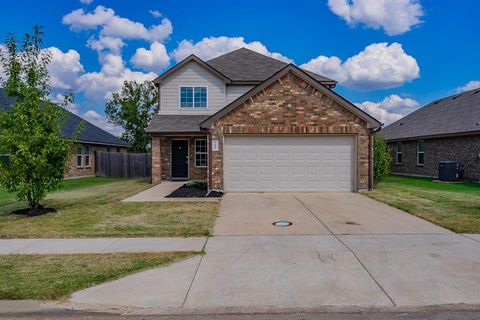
474	84
101	121
59	98
390	109
86	1
378	66
99	86
394	16
64	68
112	25
154	59
212	47
155	13
106	43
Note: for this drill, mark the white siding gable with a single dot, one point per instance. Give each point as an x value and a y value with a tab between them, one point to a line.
192	74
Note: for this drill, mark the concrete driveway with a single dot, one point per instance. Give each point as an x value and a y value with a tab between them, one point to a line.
314	214
343	250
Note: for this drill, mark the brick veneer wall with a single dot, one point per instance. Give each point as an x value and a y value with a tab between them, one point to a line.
161	158
464	149
291	106
75	171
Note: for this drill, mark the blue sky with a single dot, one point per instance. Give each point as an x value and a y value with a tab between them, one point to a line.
389	56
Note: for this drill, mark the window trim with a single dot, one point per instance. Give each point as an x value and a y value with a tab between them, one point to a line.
398	153
418	153
88	155
198	152
79	156
193	97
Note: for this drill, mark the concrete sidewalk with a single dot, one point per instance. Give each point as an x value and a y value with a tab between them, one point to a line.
160	191
100	245
281	272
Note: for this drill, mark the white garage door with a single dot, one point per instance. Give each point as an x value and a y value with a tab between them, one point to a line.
289	163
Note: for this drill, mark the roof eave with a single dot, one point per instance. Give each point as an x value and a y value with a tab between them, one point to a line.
435	136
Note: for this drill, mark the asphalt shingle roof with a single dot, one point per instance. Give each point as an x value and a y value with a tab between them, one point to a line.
90	133
176	123
244	65
451	115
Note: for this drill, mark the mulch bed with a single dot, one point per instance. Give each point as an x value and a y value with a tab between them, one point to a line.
38	211
194	190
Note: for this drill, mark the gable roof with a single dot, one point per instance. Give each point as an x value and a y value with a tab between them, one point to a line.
189	59
242	66
453	115
371	121
89	134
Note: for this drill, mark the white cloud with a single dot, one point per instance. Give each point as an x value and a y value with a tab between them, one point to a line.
59	98
2	71
86	1
212	47
100	121
474	84
378	66
64	68
154	59
112	25
155	13
389	109
394	16
99	86
102	44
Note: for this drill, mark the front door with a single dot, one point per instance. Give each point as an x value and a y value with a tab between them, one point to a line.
179	159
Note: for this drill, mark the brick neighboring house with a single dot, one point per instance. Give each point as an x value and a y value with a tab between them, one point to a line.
246	122
446	129
91	139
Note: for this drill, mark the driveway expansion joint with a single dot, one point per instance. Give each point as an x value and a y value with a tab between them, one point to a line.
348	248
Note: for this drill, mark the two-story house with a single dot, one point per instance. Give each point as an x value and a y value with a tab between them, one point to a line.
246	122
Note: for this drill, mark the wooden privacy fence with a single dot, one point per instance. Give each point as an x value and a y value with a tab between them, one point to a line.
122	164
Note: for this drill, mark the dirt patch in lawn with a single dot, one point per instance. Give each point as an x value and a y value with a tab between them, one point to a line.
194	189
38	211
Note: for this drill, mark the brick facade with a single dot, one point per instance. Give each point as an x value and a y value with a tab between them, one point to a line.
161	158
291	106
87	171
464	149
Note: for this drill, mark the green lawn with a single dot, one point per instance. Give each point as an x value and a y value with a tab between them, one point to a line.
91	207
453	206
56	276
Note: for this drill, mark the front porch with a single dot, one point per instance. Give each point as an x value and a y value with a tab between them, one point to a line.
179	157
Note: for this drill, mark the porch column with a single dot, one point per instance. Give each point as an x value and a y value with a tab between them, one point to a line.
156	161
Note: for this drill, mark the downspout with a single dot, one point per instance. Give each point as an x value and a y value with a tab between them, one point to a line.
210	179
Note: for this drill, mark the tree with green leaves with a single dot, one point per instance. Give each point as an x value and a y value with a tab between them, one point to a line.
132	108
381	159
30	130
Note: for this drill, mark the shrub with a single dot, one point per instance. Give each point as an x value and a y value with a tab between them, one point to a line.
381	159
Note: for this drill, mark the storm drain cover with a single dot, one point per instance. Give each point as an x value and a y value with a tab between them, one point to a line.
282	224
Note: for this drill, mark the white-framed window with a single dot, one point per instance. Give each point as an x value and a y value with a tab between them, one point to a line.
79	156
398	153
201	153
193	97
87	155
420	152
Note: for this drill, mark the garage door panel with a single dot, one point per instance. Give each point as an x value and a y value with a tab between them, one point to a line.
295	163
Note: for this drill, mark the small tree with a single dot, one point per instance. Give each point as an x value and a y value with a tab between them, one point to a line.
30	131
381	158
132	108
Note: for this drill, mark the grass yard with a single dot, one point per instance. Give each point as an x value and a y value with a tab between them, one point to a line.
452	206
91	207
55	276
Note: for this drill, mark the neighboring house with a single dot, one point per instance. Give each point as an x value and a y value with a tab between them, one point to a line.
447	129
91	139
246	122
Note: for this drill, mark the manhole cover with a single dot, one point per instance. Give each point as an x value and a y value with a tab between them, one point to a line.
282	223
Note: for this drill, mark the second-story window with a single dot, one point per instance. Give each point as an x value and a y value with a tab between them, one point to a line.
193	97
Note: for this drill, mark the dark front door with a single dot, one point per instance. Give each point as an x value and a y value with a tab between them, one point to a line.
179	159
